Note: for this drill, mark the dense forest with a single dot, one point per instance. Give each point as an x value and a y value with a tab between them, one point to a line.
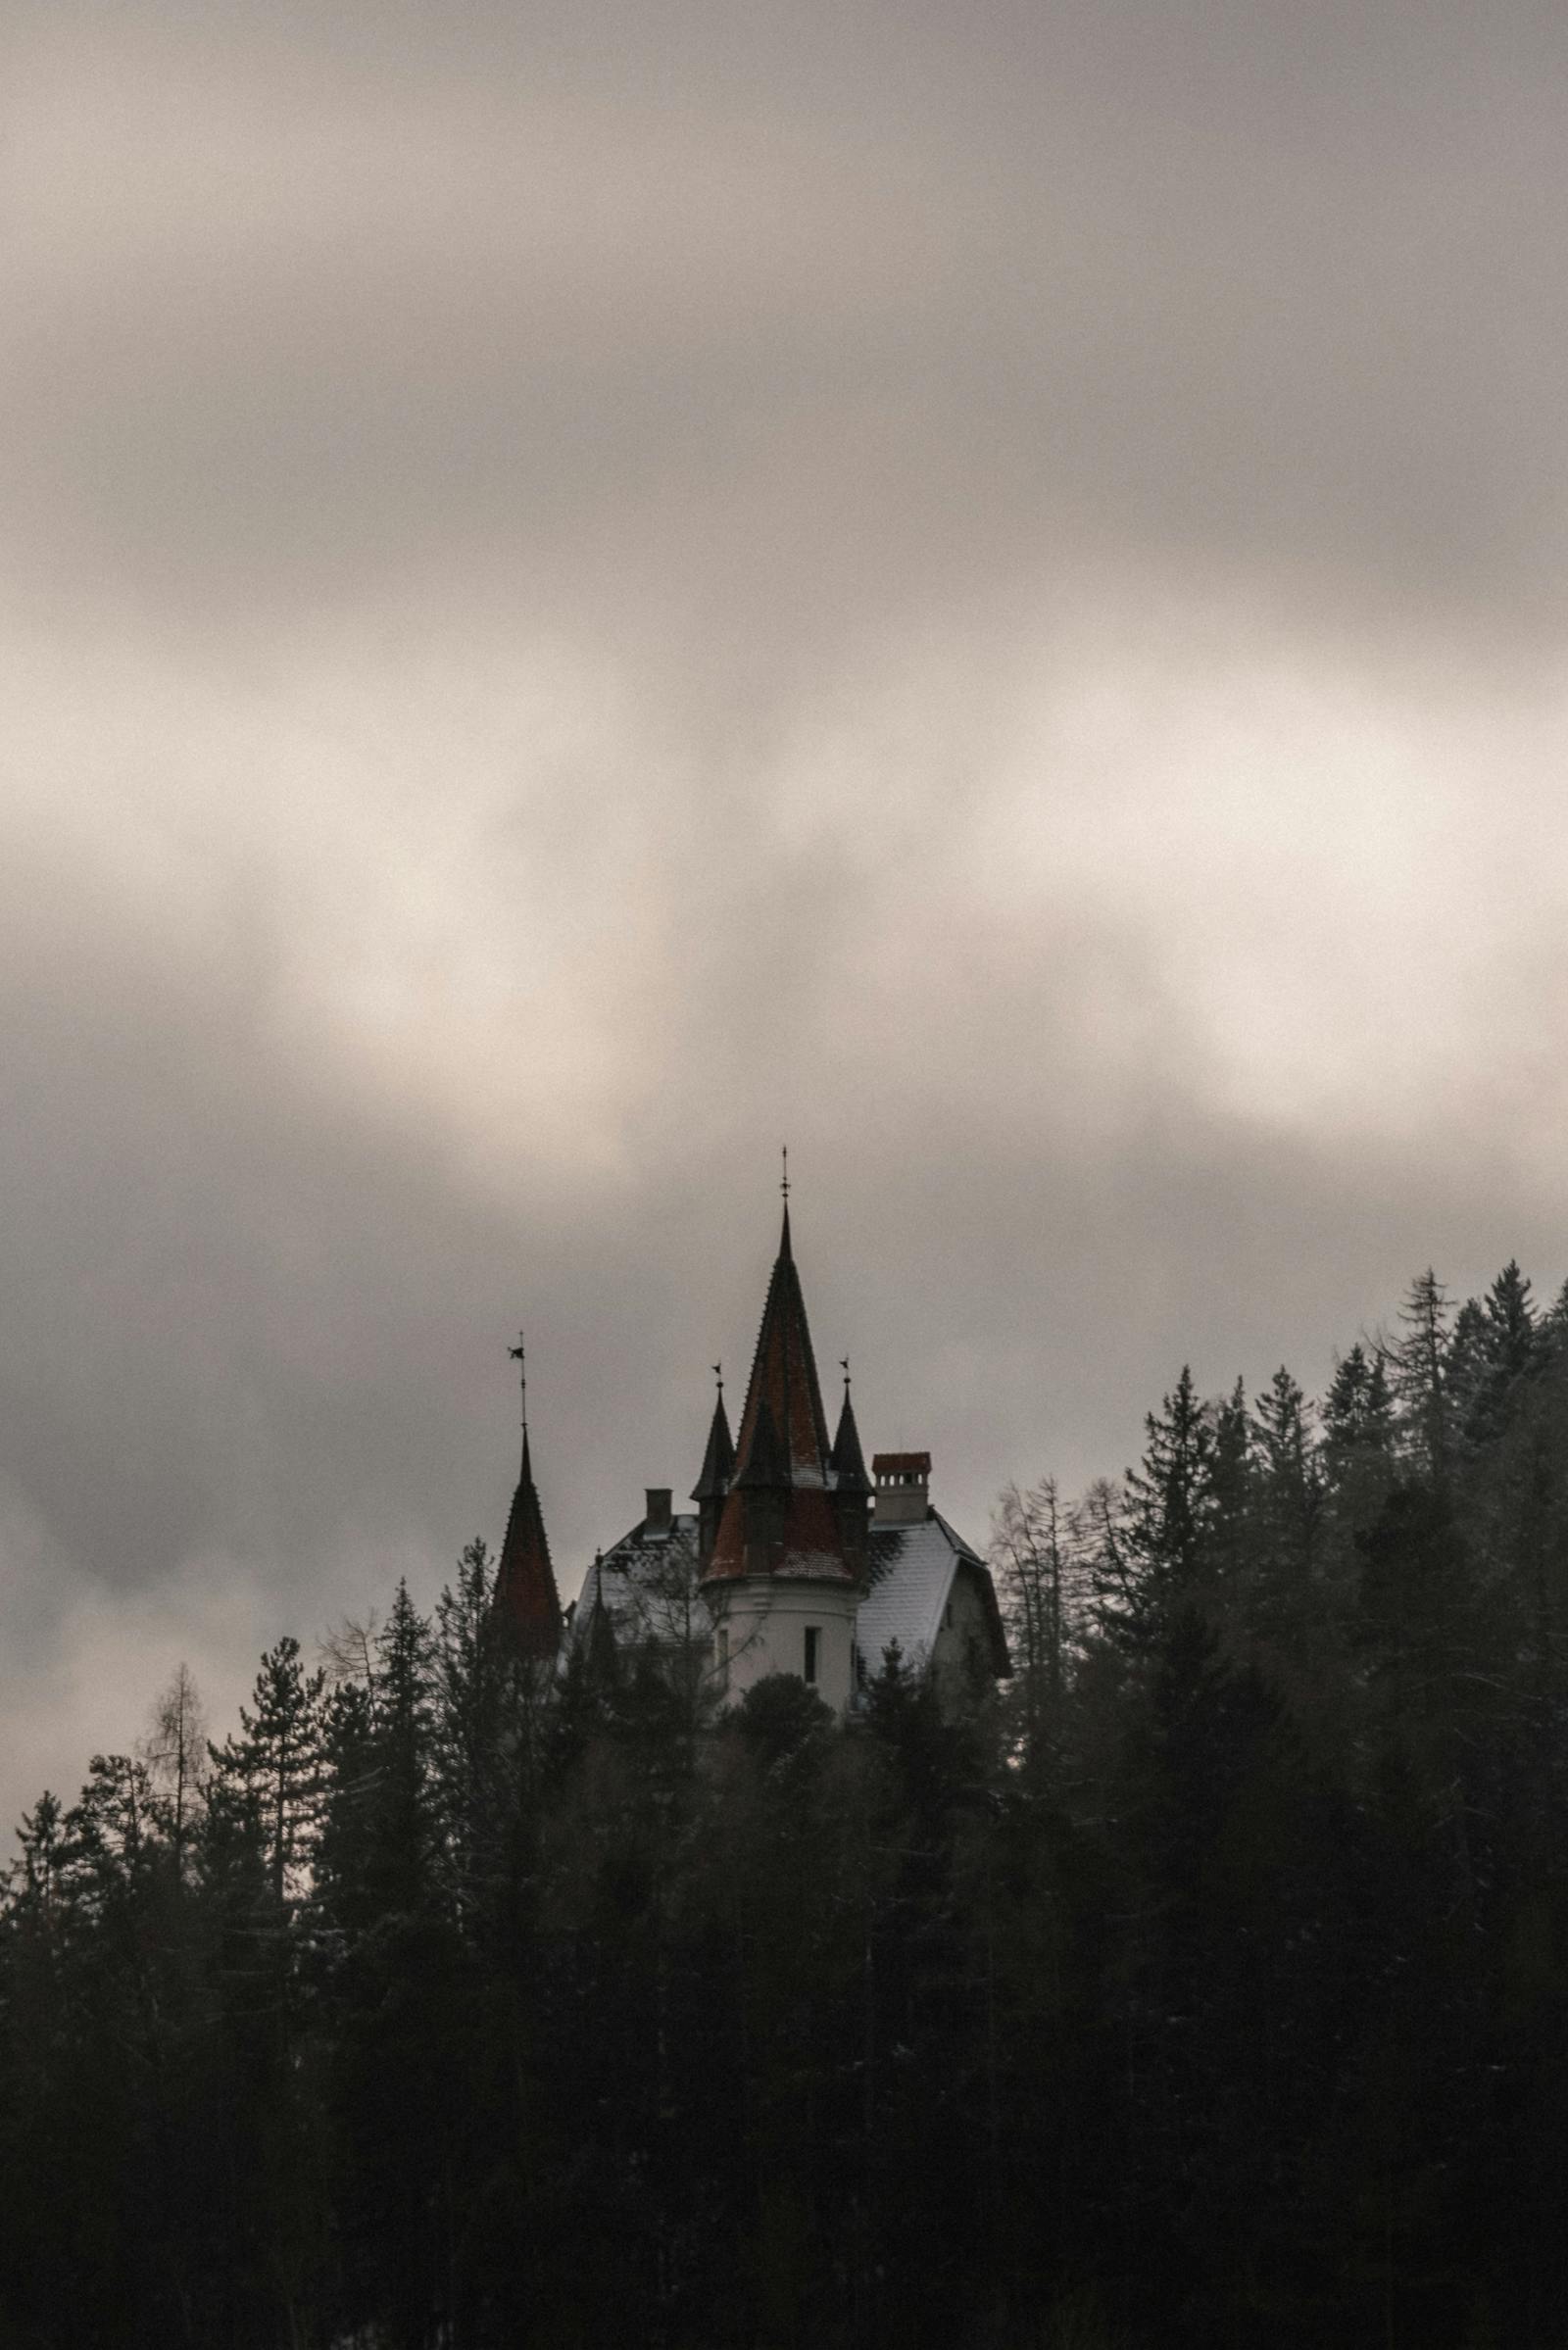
1209	1984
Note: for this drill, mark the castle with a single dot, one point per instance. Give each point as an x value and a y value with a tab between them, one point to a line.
794	1559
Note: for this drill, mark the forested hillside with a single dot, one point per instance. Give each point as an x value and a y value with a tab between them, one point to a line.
1208	1986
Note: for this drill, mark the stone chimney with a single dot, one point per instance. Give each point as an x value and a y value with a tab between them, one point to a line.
902	1485
656	1518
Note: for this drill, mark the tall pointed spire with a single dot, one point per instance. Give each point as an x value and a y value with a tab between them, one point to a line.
526	1599
779	1517
784	1371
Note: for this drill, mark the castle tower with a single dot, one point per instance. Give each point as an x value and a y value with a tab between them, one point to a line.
852	1487
526	1602
712	1489
784	1576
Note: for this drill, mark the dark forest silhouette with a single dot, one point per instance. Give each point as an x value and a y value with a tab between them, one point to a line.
1208	1984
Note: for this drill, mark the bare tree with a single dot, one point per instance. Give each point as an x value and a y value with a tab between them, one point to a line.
174	1752
348	1651
1031	1557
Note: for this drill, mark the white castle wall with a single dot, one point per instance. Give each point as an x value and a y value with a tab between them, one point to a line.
759	1627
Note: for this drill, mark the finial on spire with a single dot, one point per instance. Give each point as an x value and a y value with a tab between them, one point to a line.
843	1366
519	1356
784	1183
719	1375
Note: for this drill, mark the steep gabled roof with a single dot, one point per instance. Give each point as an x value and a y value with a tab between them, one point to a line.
526	1600
913	1573
642	1592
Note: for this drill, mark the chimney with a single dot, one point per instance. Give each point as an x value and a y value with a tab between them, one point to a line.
657	1519
902	1485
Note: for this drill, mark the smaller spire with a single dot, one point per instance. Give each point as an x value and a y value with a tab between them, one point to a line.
846	1460
719	1461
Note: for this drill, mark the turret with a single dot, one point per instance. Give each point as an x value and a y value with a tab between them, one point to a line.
852	1487
784	1573
713	1485
526	1602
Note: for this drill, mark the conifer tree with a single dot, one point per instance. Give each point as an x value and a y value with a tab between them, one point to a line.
1233	1484
1420	1362
1357	1412
276	1761
1158	1556
1288	1515
1506	1349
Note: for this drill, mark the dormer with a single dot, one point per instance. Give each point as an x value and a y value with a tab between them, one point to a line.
900	1483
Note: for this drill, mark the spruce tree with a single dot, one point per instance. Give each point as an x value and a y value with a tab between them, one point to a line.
1285	1607
1421	1385
277	1762
1158	1556
1504	1353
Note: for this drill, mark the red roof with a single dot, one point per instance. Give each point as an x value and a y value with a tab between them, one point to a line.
526	1600
802	1541
901	1464
784	1371
781	1485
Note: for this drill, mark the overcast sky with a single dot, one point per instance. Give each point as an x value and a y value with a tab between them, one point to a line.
585	590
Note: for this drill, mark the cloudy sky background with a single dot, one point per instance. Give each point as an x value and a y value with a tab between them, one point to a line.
587	590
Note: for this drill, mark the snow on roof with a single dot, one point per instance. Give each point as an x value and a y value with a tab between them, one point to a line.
912	1575
645	1582
647	1586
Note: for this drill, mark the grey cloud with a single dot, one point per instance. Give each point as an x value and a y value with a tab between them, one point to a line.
949	315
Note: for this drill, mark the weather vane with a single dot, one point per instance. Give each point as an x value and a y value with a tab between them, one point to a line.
519	1355
718	1374
784	1185
843	1366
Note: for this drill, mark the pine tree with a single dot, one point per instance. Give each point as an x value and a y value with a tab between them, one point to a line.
1158	1555
1504	1351
475	1728
1359	1457
1232	1484
1289	1504
1420	1362
396	2069
277	1762
1357	1412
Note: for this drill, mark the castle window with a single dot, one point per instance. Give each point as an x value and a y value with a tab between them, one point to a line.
812	1641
